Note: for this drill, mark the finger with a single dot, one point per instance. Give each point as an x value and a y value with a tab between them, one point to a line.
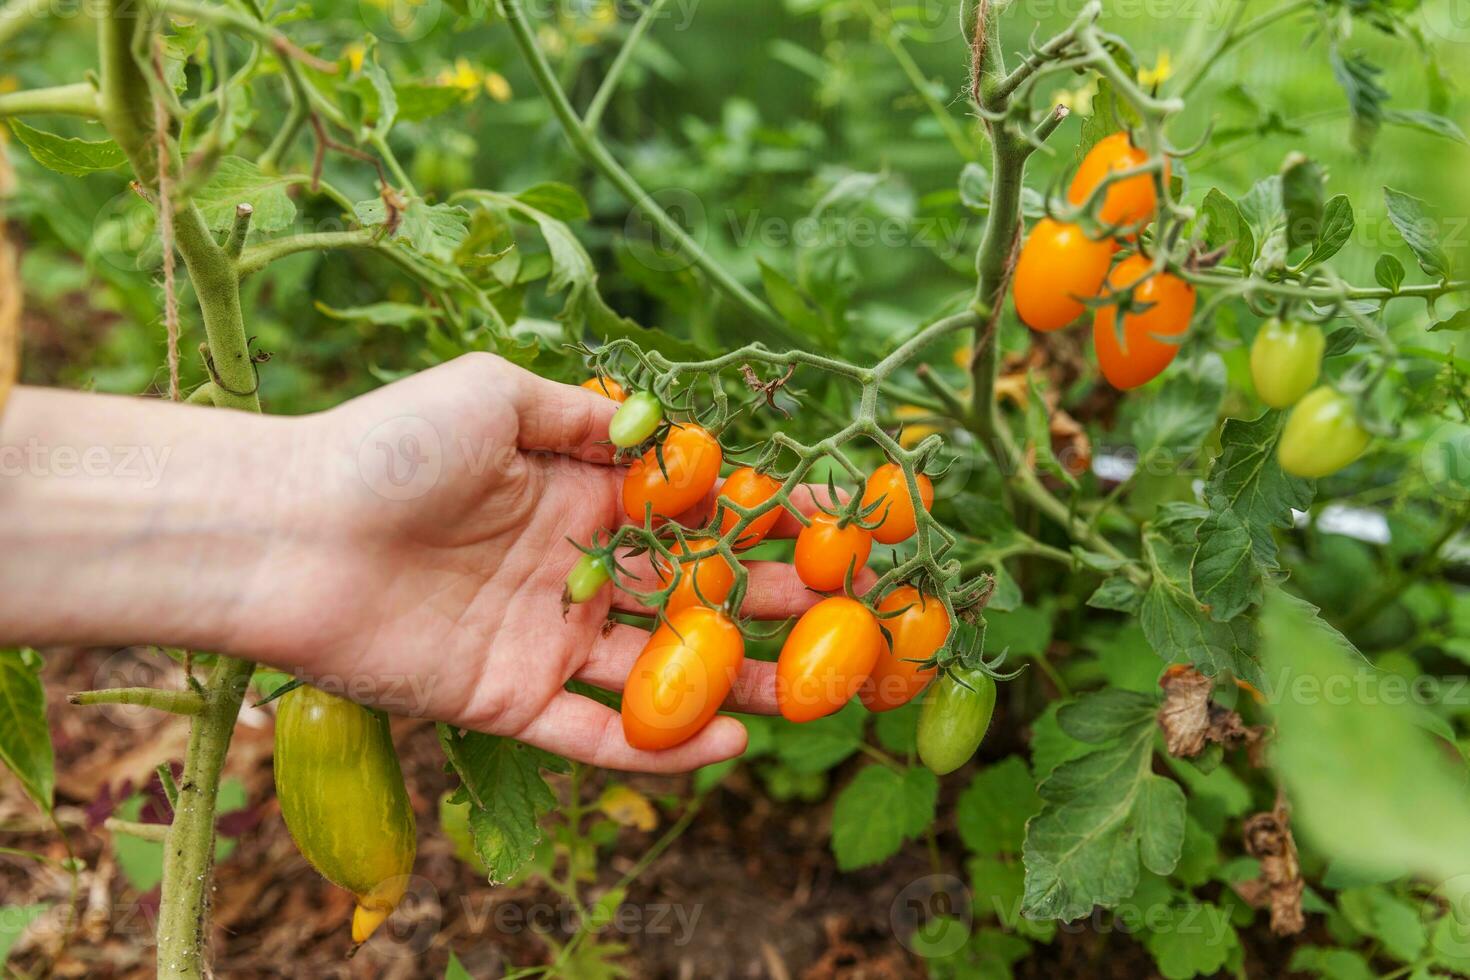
612	657
560	418
774	590
580	728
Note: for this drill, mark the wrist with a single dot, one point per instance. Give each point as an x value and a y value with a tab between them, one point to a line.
129	520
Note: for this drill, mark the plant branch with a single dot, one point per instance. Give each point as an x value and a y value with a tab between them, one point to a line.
593	116
173	702
257	257
591	149
67	100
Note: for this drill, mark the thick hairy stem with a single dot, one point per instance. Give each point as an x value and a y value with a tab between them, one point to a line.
127	111
188	857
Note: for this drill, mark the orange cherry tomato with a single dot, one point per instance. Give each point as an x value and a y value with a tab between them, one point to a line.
713	575
606	386
1141	355
830	652
824	552
748	488
692	460
917	632
897	510
1126	202
1058	264
681	678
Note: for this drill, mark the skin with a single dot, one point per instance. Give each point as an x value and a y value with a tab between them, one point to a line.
288	541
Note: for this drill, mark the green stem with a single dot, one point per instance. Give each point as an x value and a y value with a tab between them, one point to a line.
155	832
188	857
173	702
593	116
883	25
591	149
1233	36
67	100
257	257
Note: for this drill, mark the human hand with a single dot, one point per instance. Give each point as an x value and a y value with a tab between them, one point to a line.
423	552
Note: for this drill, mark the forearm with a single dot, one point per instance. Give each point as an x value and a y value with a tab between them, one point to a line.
129	520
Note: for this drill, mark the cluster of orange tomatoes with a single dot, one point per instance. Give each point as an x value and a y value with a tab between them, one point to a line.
1060	266
836	650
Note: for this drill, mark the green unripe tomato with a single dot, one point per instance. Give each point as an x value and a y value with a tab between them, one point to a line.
586	578
954	718
342	795
1322	435
636	419
1286	358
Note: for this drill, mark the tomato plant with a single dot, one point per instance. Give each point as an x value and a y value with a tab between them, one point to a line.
750	488
954	719
1165	304
1059	266
1322	434
681	678
824	662
1286	358
888	495
674	476
703	581
343	799
636	420
915	635
829	549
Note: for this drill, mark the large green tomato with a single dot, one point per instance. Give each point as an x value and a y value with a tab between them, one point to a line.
1322	435
1286	358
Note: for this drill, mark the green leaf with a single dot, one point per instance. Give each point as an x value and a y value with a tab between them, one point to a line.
1359	80
1246	478
66	155
1459	320
25	742
1376	912
794	306
1119	593
388	314
507	796
455	970
1224	226
817	746
1337	227
1191	940
1301	199
1102	813
1173	618
896	729
1225	575
1050	746
1389	272
560	201
1427	122
238	181
1182	411
387	108
1332	964
991	813
879	810
1412	218
1369	787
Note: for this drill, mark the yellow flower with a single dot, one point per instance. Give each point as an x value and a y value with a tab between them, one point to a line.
462	76
9	83
497	87
1159	73
626	806
355	52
